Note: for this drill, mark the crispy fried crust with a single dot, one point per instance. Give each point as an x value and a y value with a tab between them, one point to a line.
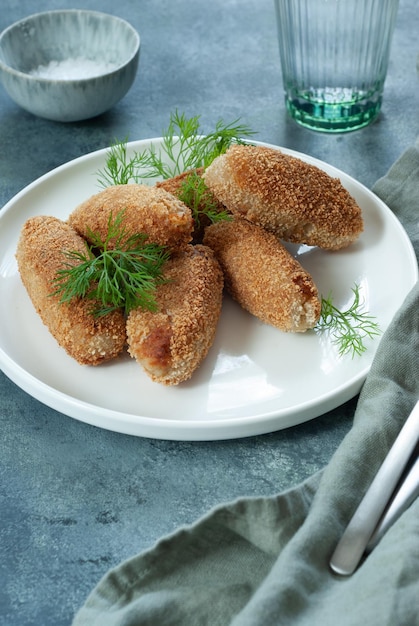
263	276
161	216
295	200
172	343
39	255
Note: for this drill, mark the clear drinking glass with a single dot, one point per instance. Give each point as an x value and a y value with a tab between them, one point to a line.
334	56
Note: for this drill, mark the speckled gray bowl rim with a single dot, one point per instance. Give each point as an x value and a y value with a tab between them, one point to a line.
45	79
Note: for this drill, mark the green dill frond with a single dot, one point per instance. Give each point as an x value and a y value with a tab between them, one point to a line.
349	328
124	276
119	169
183	148
196	195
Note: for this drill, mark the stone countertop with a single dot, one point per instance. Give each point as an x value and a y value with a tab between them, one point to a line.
76	500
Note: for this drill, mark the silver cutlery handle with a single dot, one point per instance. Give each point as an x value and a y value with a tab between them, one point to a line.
355	539
408	492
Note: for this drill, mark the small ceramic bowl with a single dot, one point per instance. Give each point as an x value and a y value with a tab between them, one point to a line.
68	65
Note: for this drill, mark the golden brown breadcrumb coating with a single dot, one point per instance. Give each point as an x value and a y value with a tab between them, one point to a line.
199	206
172	343
155	212
296	201
39	254
263	276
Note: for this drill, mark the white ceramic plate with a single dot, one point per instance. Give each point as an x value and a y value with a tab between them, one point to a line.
255	379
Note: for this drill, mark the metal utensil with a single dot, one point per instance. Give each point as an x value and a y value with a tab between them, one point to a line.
360	529
403	498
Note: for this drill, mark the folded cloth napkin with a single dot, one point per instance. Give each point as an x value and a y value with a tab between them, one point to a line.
265	561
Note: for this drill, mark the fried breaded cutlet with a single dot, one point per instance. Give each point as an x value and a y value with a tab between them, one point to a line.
40	253
155	212
296	201
263	276
171	343
187	187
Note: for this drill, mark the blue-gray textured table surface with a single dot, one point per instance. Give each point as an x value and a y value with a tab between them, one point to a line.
76	500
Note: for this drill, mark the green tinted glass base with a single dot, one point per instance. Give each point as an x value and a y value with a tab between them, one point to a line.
333	117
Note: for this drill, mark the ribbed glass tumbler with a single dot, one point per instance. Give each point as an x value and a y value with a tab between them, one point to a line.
334	57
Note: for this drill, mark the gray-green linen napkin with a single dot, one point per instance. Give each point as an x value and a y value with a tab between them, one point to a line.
264	561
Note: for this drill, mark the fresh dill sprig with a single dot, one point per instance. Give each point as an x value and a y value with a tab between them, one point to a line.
183	148
187	148
196	195
122	275
119	169
348	328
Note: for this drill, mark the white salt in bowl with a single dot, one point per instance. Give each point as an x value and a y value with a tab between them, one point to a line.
68	65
